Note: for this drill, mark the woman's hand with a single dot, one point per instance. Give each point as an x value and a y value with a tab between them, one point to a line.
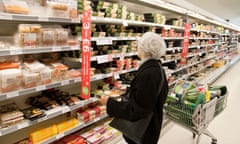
103	100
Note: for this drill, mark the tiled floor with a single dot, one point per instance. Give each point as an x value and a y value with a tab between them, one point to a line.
226	126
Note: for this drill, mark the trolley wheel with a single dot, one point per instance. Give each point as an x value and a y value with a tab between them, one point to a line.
194	135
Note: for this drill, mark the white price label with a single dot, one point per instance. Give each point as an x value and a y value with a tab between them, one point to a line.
104	41
42	18
103	59
116	75
66	109
16	52
77	80
6	16
42	119
167	27
56	49
40	88
125	23
22	125
122	56
65	82
12	94
0	133
59	136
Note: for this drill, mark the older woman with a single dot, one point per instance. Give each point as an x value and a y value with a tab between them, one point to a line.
145	95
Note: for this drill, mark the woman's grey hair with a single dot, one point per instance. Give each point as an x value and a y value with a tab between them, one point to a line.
152	45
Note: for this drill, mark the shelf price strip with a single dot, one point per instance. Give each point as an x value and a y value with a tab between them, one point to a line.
86	44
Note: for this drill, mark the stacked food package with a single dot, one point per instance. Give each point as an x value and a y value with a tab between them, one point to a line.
61	9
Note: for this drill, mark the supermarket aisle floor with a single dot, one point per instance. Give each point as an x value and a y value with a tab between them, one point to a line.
226	126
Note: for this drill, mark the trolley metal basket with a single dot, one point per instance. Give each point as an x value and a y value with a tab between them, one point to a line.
198	119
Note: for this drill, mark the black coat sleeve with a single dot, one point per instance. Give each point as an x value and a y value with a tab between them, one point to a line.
142	98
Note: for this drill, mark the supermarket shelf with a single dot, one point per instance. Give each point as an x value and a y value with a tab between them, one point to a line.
203	38
206	31
103	58
108	40
114	74
72	130
4	96
49	115
206	45
130	22
218	72
172	38
31	18
184	67
19	51
174	49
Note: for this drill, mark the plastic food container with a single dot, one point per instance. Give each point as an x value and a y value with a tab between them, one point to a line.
15	6
58	9
46	76
10	80
28	36
47	37
61	37
30	79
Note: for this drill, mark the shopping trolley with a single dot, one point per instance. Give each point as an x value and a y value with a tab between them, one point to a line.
196	119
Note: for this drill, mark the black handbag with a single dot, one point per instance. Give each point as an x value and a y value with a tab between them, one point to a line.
134	130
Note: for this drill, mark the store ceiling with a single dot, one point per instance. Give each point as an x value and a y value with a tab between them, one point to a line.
224	9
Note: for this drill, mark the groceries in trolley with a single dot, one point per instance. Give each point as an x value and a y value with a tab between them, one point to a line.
193	94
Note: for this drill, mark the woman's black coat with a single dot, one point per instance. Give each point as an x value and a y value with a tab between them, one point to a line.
144	99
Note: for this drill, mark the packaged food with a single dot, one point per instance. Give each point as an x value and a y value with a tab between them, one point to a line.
33	113
61	37
42	134
63	126
47	37
28	36
9	114
15	6
35	66
59	71
30	79
46	76
73	139
8	65
97	138
58	9
10	80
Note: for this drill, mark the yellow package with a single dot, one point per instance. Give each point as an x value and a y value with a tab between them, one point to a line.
63	126
43	134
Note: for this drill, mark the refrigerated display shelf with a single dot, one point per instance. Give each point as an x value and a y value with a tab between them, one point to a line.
31	18
104	58
72	130
49	115
12	94
184	67
106	20
20	51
